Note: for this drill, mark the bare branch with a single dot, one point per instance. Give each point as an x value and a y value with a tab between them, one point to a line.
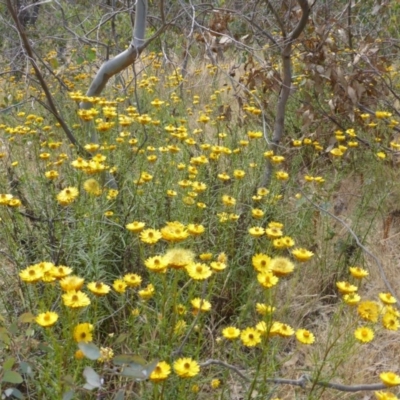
49	97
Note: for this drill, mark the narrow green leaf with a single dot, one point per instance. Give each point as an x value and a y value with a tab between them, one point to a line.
12	377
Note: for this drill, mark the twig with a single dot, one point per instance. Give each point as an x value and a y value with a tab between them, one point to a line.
49	97
359	244
226	365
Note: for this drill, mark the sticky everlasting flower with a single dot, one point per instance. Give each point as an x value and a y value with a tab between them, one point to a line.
71	282
250	337
135	226
302	255
198	271
31	274
261	262
390	378
200	305
150	236
358	272
304	336
75	299
186	367
178	258
387	298
385	396
174	232
346	287
47	319
120	285
132	280
364	334
231	333
267	279
67	196
160	372
281	266
98	288
83	333
368	310
156	264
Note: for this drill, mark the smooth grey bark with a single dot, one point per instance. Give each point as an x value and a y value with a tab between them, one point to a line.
286	56
122	60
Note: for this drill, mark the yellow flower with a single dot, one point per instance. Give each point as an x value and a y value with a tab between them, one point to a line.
364	334
61	271
256	231
267	279
83	333
93	187
304	336
72	282
198	271
390	378
31	274
285	330
186	367
67	195
98	288
381	155
281	266
250	337
178	258
147	292
346	287
387	298
273	232
195	229
215	383
132	280
174	232
282	175
228	201
46	319
135	226
385	396
264	309
261	262
120	285
156	264
160	372
351	298
150	236
75	299
337	152
358	272
302	255
368	310
51	174
79	355
231	333
390	321
217	266
200	305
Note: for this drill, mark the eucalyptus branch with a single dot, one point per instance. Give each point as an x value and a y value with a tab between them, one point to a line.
43	84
